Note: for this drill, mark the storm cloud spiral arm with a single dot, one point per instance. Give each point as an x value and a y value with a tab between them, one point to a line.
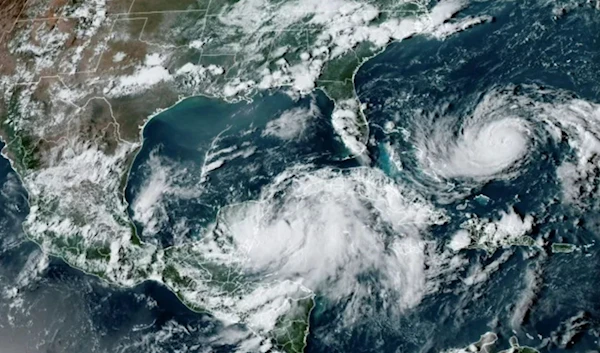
497	137
491	142
312	187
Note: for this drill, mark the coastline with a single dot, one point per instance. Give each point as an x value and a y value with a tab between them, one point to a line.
131	158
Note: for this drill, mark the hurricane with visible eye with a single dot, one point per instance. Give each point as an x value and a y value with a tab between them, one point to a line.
491	142
473	162
463	170
476	208
508	133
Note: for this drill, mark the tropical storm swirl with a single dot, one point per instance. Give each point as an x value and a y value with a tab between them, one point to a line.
501	135
473	165
325	176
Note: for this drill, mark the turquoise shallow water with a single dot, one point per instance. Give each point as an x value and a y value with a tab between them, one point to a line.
228	152
212	153
530	51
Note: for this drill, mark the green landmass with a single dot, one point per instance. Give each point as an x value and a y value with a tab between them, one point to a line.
292	329
73	140
563	248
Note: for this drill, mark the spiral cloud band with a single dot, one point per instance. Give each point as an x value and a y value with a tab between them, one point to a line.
490	142
506	131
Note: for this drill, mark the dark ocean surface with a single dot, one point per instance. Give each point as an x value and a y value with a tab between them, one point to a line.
216	153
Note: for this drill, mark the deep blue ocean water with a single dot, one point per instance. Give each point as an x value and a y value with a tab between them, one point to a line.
60	309
186	134
525	45
47	306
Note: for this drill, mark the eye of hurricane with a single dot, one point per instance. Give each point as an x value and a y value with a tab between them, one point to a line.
485	151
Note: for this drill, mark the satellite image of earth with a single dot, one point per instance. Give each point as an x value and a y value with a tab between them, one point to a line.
299	176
